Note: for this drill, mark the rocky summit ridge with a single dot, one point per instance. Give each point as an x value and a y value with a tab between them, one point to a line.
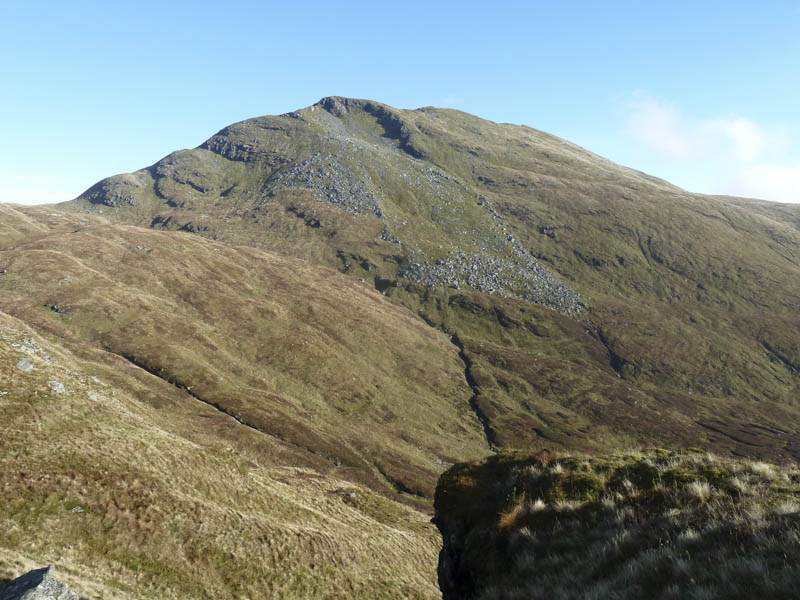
356	166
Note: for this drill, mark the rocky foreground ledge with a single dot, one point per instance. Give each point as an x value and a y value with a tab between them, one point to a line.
40	584
656	524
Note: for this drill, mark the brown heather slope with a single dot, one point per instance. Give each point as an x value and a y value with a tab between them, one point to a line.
365	389
169	442
691	320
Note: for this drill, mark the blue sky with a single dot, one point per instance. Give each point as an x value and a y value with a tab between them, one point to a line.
704	94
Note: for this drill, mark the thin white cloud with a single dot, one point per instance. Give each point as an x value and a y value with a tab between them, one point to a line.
738	135
657	125
771	182
741	157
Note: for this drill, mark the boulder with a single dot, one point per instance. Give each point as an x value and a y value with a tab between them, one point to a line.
40	584
25	364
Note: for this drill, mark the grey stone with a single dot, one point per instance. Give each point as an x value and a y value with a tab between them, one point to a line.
40	584
30	346
57	387
334	179
25	364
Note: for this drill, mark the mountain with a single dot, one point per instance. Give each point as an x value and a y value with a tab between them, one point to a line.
594	306
242	371
321	361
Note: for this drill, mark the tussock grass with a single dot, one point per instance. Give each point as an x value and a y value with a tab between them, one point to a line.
654	524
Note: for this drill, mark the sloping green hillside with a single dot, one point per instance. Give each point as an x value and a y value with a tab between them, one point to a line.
161	439
592	303
241	371
363	388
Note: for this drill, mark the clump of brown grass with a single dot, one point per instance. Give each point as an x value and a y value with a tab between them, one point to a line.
513	517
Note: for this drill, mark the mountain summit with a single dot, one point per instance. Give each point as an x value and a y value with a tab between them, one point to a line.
592	303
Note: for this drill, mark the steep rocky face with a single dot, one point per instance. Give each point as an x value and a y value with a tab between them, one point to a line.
362	158
595	305
657	524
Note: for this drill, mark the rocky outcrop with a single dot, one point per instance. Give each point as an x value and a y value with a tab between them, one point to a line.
519	276
655	524
332	182
40	584
119	190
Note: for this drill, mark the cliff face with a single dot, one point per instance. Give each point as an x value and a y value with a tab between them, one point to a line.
653	525
455	578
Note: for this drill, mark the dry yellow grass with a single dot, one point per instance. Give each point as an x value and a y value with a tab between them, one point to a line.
132	501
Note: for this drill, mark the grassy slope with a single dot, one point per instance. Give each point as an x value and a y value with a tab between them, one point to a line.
692	321
294	497
135	489
297	351
689	338
657	524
